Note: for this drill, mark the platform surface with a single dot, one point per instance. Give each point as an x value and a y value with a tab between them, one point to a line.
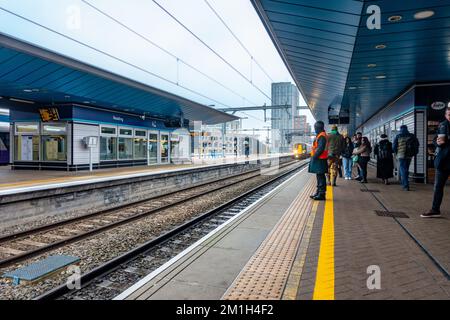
17	180
343	249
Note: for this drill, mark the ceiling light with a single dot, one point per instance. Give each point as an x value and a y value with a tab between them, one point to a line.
395	18
86	102
35	90
351	88
27	90
365	78
423	14
381	77
20	100
372	65
380	46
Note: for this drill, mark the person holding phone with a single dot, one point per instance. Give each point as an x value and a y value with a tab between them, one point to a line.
442	166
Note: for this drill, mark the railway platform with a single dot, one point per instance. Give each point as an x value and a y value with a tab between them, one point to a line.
364	242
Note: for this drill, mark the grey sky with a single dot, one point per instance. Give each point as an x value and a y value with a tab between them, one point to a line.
78	20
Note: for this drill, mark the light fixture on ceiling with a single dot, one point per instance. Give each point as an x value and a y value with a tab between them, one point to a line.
395	18
351	88
365	78
371	65
423	14
86	102
380	46
67	97
27	90
20	100
381	76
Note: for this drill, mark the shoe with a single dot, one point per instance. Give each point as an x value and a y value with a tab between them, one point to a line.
363	181
406	189
431	214
334	184
319	197
314	195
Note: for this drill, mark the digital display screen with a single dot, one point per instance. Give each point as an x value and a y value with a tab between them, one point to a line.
49	114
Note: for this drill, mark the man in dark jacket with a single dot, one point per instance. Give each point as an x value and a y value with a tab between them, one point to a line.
318	163
442	166
335	147
404	154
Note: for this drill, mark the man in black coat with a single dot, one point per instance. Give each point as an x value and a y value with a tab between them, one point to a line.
442	166
318	163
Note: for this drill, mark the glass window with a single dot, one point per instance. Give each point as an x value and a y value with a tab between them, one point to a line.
126	132
140	148
125	148
54	148
164	148
108	148
54	129
153	147
140	133
108	130
26	148
30	128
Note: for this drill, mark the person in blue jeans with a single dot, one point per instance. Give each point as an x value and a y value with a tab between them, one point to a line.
406	147
347	158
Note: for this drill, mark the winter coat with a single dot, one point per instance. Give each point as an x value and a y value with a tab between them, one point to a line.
385	160
317	165
363	151
400	140
348	150
335	144
442	160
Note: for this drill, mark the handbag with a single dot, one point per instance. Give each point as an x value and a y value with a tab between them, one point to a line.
355	158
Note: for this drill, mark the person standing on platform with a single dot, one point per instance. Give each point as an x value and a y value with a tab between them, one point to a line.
385	160
335	146
357	144
318	163
406	147
347	158
363	153
442	166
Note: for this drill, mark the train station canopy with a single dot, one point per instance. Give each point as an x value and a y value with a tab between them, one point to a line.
31	73
340	58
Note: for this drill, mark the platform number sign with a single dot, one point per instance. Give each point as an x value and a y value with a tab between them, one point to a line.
49	114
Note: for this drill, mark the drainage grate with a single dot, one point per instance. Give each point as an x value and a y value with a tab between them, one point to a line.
391	214
370	190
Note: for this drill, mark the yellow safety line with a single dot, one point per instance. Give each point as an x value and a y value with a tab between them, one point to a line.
324	286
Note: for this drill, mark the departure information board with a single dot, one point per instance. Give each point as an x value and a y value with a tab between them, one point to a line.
49	114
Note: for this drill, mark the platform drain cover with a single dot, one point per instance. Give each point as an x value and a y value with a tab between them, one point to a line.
391	214
369	190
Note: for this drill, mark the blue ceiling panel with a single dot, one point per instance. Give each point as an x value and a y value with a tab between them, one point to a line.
31	73
331	52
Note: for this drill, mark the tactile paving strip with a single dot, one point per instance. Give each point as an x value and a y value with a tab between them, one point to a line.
265	275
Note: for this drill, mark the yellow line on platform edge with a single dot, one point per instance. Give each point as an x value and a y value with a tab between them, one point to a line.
324	286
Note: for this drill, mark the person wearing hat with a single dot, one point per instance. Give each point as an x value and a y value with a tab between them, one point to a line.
385	160
335	148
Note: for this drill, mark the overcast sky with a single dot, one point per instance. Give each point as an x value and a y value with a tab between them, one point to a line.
149	25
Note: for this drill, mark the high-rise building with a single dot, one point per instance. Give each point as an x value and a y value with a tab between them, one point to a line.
283	93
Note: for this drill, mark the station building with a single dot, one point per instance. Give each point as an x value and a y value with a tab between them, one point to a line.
68	115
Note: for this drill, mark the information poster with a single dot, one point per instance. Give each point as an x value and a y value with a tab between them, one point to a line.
26	150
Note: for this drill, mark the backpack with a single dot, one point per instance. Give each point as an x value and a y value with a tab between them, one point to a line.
411	149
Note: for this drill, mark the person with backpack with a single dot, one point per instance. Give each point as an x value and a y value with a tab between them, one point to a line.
385	161
442	166
406	147
335	146
363	153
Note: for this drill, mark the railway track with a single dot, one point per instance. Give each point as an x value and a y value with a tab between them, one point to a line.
127	268
23	245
